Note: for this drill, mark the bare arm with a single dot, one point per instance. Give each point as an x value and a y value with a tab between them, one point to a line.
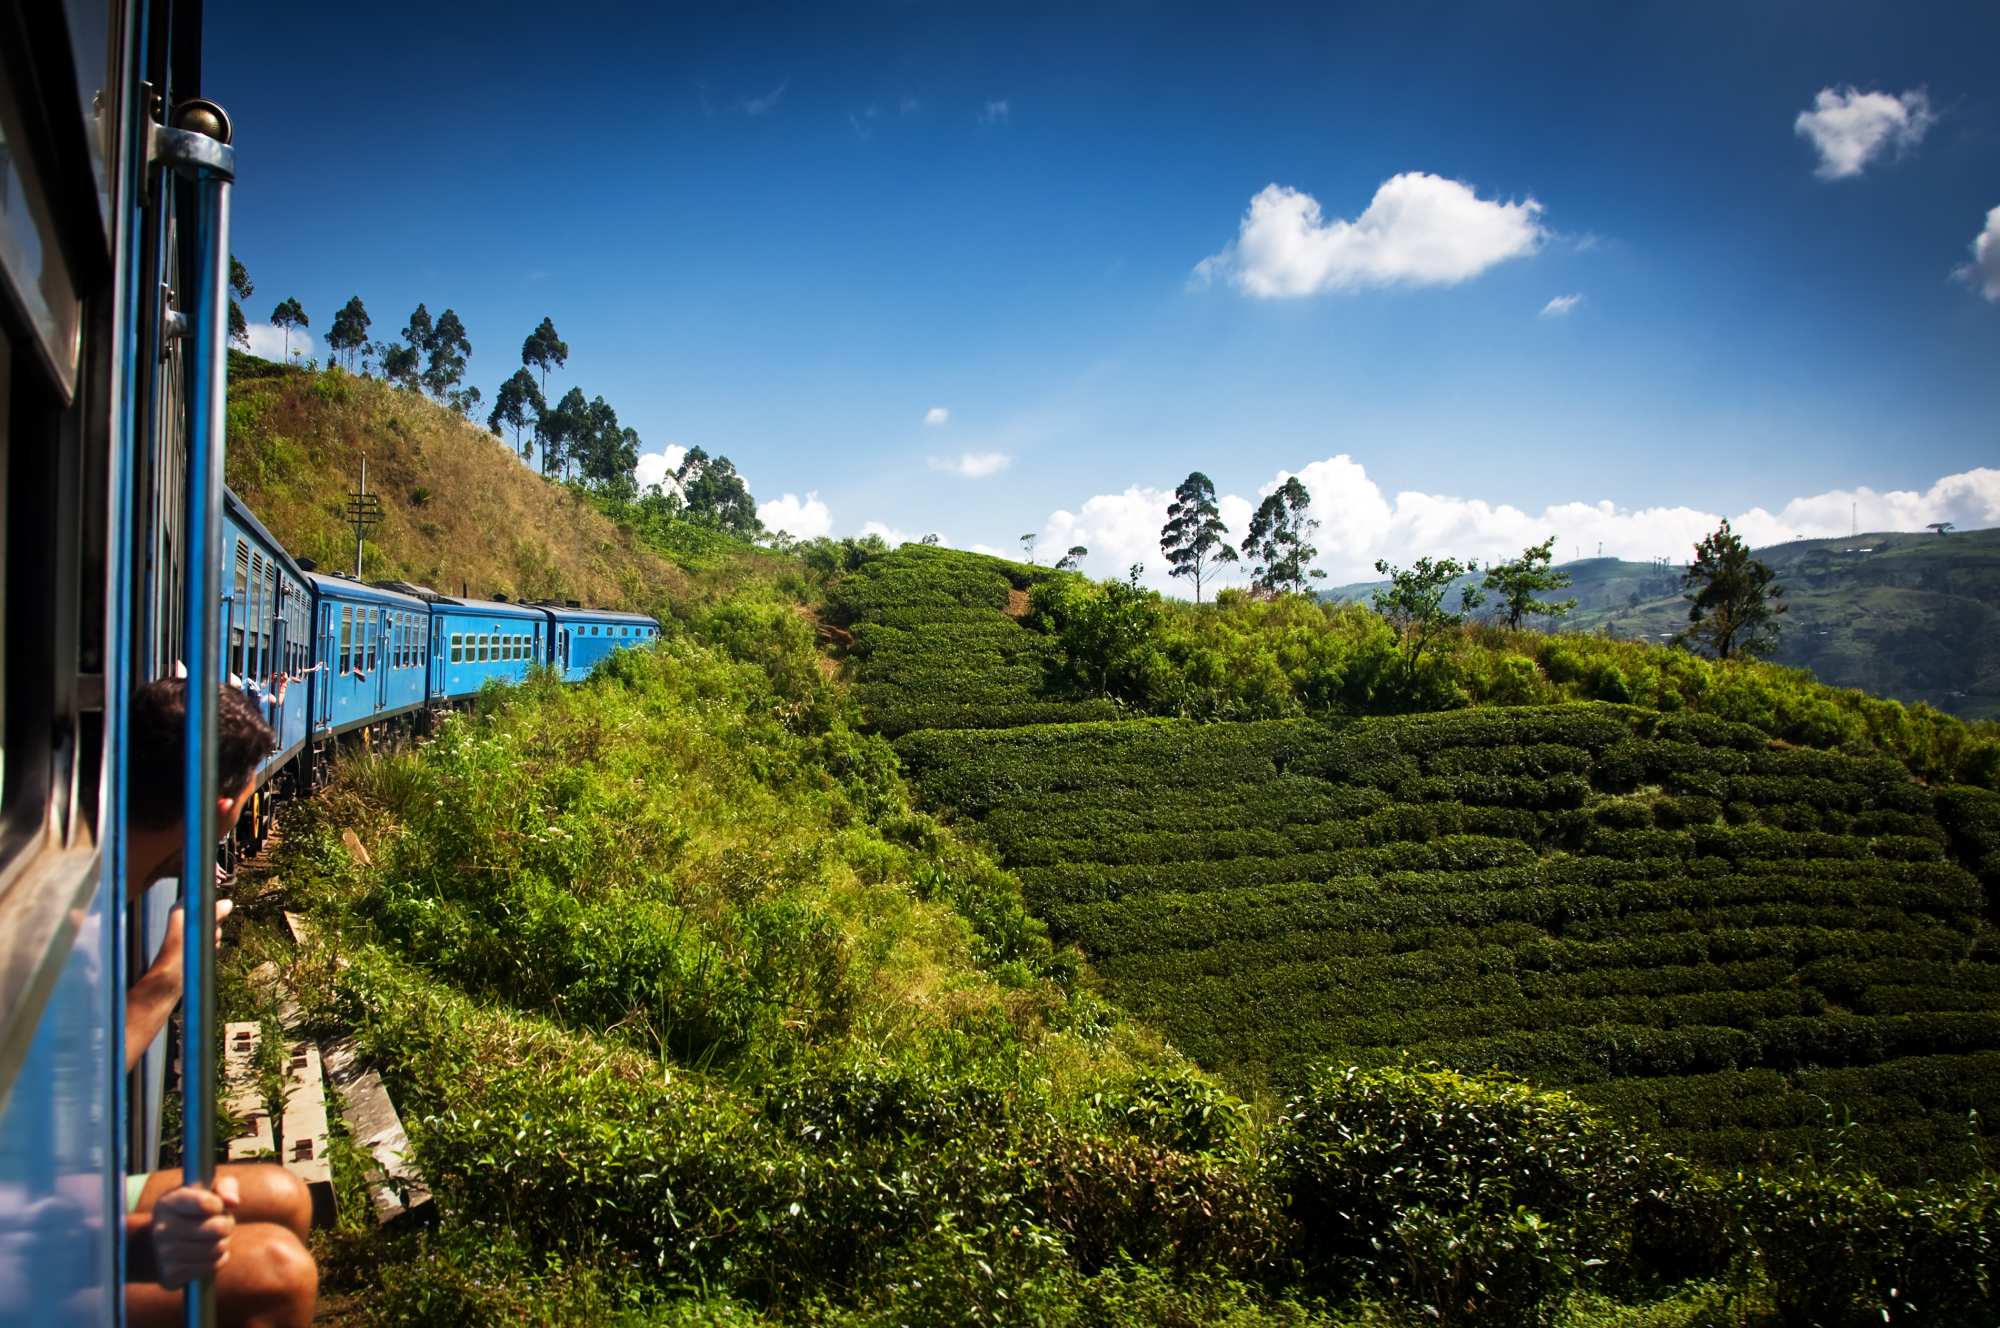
152	999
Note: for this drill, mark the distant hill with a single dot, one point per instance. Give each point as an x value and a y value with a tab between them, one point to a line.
1913	616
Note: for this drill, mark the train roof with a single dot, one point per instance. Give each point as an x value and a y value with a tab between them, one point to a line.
346	587
244	517
574	613
487	608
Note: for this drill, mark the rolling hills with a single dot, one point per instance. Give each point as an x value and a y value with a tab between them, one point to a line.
1915	616
1737	941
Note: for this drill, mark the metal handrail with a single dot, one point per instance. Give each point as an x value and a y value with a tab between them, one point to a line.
196	153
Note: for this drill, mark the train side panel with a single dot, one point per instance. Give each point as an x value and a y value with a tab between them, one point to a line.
369	650
585	638
476	641
266	630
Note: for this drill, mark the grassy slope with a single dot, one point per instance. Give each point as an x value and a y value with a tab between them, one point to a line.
1916	618
1716	932
485	523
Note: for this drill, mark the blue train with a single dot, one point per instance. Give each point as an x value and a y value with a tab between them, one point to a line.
123	558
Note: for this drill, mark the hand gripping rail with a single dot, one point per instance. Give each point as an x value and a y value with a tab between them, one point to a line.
195	158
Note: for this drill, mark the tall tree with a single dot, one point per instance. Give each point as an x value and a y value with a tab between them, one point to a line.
349	331
544	348
401	365
1277	541
447	350
560	432
1516	583
606	452
519	405
1193	539
1072	560
716	495
1414	603
289	315
1028	546
240	289
463	400
1733	598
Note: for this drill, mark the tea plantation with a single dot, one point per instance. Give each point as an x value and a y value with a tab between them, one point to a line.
939	649
1757	951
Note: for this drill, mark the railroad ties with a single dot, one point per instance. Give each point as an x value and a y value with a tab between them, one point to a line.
396	1191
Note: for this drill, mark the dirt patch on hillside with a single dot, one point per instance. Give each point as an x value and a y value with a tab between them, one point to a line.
1017	604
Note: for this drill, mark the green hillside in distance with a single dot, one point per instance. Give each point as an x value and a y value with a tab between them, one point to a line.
1708	927
1915	616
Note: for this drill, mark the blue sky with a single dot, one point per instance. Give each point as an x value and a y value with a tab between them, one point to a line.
789	234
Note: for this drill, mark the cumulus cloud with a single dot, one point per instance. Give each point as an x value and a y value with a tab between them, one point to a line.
801	518
937	415
659	467
1418	230
1851	128
767	103
973	465
1360	523
1560	305
1983	272
995	112
267	342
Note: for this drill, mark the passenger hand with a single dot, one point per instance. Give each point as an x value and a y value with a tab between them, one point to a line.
168	957
191	1230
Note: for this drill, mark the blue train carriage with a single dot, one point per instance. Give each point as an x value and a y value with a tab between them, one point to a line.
369	653
474	641
266	636
586	637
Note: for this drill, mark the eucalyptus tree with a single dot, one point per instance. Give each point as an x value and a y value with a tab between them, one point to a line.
288	315
1277	542
1193	538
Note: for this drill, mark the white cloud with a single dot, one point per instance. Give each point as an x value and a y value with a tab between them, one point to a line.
1560	305
1359	523
659	467
973	465
767	103
267	342
1851	128
1418	230
936	415
1983	272
894	535
806	518
996	112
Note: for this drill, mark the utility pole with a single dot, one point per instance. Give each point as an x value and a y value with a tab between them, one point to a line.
364	509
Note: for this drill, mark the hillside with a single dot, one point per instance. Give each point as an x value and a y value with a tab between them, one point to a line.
1710	932
705	1003
460	512
1915	616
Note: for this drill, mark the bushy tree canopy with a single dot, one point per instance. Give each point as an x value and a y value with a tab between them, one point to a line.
1193	538
1277	541
1733	598
1516	583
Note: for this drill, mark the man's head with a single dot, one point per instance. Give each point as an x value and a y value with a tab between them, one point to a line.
155	778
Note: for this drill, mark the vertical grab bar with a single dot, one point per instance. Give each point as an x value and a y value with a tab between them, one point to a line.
196	154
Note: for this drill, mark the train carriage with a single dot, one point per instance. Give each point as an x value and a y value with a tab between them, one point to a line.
584	638
476	641
266	632
369	649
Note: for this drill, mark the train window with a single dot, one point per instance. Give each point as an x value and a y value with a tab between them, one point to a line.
346	637
457	647
239	608
374	638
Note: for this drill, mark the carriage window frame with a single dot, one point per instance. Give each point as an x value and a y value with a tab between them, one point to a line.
347	638
458	647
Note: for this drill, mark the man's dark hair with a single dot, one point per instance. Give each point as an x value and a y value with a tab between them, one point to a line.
153	779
